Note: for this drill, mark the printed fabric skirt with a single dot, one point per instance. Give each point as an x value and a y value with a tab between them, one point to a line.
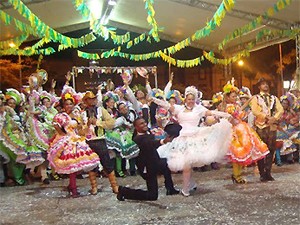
121	141
70	154
246	146
14	143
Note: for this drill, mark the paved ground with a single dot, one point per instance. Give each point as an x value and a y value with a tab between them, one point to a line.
216	201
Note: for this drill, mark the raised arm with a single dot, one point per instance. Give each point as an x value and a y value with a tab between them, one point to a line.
99	96
168	86
132	98
148	88
162	103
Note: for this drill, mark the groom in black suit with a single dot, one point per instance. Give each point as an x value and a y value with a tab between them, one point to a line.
149	165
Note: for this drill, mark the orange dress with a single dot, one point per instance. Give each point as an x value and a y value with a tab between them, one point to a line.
246	146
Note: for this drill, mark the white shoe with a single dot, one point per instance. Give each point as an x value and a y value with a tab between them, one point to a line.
184	194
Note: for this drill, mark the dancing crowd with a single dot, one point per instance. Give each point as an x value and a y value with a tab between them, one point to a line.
124	131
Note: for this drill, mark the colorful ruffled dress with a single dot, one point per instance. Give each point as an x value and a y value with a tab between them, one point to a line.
70	153
196	146
14	143
40	128
120	138
287	135
246	146
2	152
34	153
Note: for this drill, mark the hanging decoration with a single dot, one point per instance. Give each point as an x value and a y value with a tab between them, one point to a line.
151	20
97	27
210	56
226	5
215	22
39	29
44	30
39	61
280	5
102	30
82	8
17	41
27	51
23	27
67	42
85	55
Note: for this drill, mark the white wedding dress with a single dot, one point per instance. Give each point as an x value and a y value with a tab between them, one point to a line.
196	146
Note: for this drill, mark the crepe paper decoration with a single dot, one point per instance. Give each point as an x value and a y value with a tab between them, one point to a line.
98	28
151	20
210	56
41	30
44	30
24	28
27	51
218	16
86	55
281	4
17	41
82	8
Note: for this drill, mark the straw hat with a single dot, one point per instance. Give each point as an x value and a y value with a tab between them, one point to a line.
87	95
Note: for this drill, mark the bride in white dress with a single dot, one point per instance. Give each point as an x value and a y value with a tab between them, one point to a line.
196	146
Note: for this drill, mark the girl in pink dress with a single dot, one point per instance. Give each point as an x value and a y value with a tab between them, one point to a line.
69	153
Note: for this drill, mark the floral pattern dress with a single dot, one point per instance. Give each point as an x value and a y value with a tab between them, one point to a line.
70	153
246	146
120	138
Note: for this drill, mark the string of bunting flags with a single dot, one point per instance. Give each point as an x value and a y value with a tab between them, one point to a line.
126	72
66	42
197	61
142	71
216	20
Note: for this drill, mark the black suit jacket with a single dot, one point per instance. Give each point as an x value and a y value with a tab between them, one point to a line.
148	156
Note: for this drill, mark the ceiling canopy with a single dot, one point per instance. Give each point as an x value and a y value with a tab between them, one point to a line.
228	27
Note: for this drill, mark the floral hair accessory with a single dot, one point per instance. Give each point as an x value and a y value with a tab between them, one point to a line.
69	93
53	99
288	96
176	95
158	93
112	95
218	97
229	87
191	90
245	92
